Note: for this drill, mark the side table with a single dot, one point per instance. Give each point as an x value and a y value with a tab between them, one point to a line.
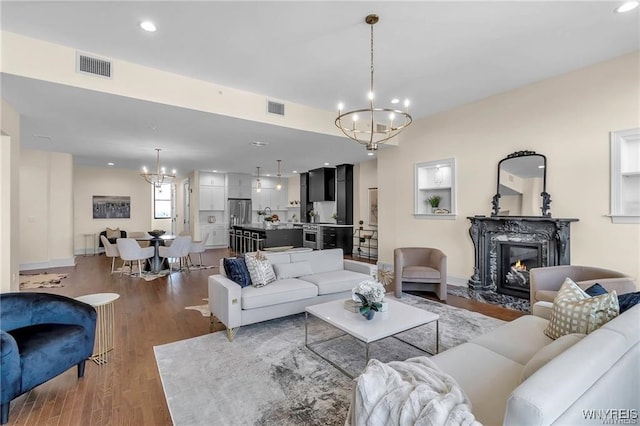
103	302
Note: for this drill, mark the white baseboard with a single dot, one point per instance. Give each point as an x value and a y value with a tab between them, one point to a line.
461	282
53	263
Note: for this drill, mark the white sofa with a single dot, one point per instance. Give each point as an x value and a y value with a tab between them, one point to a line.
332	277
599	373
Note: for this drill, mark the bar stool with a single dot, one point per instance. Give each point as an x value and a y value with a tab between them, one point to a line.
246	241
256	241
237	241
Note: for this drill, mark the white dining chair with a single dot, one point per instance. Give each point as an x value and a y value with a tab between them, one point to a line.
131	251
110	250
197	247
179	249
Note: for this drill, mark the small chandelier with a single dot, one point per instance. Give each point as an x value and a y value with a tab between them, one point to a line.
160	177
258	183
372	126
279	185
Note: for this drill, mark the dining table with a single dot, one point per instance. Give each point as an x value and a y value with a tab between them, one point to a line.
155	262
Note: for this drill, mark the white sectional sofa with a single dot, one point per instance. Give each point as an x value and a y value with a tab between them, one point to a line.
332	277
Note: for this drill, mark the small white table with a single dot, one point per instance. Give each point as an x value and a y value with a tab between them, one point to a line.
398	318
103	302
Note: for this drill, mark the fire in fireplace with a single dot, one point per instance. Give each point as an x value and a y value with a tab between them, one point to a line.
514	262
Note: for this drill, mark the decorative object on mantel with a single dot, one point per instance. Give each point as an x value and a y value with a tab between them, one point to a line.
373	126
160	177
522	175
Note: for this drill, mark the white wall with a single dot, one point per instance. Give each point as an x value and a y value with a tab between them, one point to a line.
567	118
46	209
90	181
10	198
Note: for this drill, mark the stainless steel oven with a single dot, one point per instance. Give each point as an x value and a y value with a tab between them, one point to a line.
311	236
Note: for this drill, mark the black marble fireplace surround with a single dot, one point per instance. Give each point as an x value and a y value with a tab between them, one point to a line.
498	240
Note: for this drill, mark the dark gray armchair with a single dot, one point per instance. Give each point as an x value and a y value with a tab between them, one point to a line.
420	268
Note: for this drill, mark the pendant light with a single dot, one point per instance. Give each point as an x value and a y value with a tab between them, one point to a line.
258	183
279	185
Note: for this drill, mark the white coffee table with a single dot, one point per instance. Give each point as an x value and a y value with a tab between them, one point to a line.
398	318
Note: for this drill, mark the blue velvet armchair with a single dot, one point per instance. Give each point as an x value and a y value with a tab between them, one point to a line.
42	335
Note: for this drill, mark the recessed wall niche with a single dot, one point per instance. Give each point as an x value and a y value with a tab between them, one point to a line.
435	189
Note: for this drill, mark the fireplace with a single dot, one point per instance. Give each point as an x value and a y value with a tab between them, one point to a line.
514	262
500	241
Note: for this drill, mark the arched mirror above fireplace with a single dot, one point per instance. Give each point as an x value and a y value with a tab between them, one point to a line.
522	187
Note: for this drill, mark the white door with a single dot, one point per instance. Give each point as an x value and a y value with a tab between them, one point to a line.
186	199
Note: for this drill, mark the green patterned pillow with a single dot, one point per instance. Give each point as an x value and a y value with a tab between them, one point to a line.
575	312
260	269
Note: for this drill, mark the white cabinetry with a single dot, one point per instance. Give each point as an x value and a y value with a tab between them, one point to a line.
269	196
212	191
214	235
238	185
435	179
625	176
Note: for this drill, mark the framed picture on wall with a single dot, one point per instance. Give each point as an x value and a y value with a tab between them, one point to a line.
111	207
373	206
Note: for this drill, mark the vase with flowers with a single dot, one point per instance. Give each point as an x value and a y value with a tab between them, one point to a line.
370	295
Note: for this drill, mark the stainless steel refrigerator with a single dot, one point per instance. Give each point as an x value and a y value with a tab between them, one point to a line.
239	211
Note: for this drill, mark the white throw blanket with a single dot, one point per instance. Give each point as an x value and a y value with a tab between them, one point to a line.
411	392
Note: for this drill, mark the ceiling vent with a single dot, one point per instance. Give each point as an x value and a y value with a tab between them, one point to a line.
381	128
275	108
91	65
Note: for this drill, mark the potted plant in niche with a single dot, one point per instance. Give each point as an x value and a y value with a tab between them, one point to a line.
434	202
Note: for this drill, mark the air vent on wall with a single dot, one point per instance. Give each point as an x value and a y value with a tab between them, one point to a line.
381	128
275	108
91	65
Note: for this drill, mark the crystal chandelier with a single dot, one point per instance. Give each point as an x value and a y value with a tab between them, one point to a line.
373	126
160	177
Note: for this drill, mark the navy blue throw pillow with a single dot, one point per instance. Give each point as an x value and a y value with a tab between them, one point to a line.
596	290
628	300
237	271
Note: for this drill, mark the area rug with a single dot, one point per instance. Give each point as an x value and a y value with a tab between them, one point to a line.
267	376
203	309
43	280
492	298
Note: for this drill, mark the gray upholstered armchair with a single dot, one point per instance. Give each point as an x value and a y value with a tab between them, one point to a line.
420	268
42	335
545	282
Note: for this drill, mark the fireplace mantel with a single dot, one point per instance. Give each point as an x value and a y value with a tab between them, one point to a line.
552	234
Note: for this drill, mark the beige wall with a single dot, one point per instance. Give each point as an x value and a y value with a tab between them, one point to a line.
567	118
46	209
90	181
10	198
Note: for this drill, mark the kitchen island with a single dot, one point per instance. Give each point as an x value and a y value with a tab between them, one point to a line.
274	236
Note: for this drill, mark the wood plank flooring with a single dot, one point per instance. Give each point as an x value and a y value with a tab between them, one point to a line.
128	390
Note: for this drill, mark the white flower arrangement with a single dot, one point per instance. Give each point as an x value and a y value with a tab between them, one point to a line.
373	291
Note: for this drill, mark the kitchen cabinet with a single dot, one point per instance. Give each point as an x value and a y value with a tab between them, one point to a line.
337	237
305	205
238	185
214	235
322	184
212	179
212	198
269	196
344	194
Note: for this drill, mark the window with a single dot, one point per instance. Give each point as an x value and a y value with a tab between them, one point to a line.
162	201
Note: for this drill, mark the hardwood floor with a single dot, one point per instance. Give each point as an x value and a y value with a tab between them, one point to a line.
127	390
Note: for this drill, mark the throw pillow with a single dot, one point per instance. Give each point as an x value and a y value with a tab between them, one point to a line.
260	269
236	270
628	300
596	290
113	233
549	352
575	312
292	270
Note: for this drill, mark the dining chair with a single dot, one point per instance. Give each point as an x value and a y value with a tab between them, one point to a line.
179	249
197	247
110	250
130	251
137	235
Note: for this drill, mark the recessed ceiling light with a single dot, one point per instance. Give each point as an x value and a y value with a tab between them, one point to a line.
395	100
326	164
370	153
109	164
258	143
148	26
627	6
268	175
214	171
295	171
